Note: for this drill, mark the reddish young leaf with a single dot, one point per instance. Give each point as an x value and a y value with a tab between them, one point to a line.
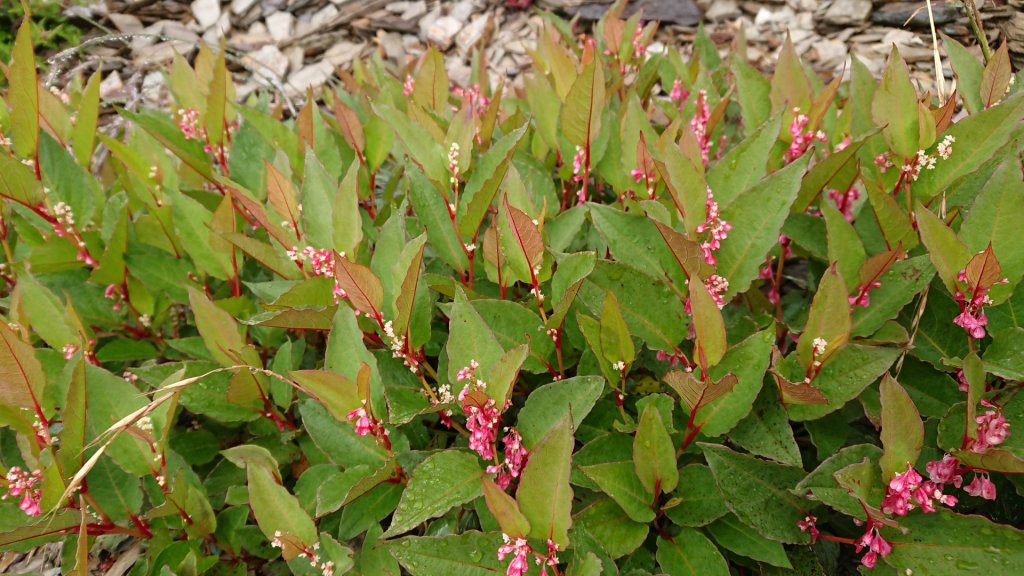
362	286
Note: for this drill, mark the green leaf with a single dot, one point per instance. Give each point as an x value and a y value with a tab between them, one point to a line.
948	543
752	92
347	221
581	113
759	213
339	441
337	393
998	206
471	553
430	208
700	500
505	510
708	325
619	480
748	360
117	492
22	380
277	510
978	138
745	164
839	168
612	527
488	174
420	145
947	252
895	108
899	284
544	494
690	552
635	239
616	343
821	483
829	319
318	196
790	86
218	329
431	87
737	537
552	403
996	77
902	429
968	70
23	94
46	313
441	482
469	338
758	492
653	453
844	377
766	430
844	246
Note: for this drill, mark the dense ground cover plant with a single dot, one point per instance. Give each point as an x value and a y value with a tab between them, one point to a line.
648	315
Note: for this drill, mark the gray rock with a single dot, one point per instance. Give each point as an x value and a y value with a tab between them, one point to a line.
897	13
206	12
848	12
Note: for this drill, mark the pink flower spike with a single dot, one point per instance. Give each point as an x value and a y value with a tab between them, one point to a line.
944	471
981	486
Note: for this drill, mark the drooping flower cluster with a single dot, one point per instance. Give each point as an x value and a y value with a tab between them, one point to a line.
482	414
321	263
28	485
699	124
802	138
972	302
367	423
674	359
844	200
473	96
716	228
113	293
579	161
515	460
993	429
717	286
408	86
65	219
907	490
809	524
188	123
398	348
862	296
326	568
520	550
876	545
678	94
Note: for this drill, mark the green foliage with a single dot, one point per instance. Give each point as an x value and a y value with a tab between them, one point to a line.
649	315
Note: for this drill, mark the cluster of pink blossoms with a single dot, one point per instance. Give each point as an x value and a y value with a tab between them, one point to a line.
408	86
862	298
520	551
674	359
482	414
321	263
27	485
844	201
876	545
972	314
366	423
188	123
907	490
717	286
716	228
802	138
993	429
949	471
579	161
515	460
699	124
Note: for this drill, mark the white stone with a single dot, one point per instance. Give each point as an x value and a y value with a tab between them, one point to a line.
268	61
462	10
313	76
126	23
239	7
206	12
295	56
323	16
443	31
722	10
111	85
470	35
343	53
281	25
